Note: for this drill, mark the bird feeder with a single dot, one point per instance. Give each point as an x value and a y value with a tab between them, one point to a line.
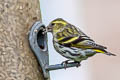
39	46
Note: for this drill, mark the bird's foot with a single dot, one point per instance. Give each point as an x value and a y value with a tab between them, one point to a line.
64	63
78	64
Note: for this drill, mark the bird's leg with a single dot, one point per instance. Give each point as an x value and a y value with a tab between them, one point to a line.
78	63
64	63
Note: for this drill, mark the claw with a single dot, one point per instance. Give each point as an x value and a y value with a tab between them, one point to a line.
78	64
64	63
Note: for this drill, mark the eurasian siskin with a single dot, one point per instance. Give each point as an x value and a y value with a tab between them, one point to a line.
72	43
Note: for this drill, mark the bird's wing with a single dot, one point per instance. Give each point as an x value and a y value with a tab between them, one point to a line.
86	42
79	39
79	42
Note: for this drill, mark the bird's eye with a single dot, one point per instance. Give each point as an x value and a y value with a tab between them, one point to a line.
52	24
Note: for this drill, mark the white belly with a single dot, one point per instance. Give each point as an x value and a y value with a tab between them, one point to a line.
75	54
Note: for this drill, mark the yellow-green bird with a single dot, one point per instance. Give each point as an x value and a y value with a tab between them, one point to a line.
72	43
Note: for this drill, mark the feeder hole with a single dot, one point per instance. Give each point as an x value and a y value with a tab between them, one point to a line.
41	38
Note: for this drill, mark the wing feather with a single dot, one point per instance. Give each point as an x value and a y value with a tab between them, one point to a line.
77	39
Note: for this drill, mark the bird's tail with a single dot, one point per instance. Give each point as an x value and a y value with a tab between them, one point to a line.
110	54
104	52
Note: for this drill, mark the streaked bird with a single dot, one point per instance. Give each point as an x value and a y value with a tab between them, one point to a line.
72	43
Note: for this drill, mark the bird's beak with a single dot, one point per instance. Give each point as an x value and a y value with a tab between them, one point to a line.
49	28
